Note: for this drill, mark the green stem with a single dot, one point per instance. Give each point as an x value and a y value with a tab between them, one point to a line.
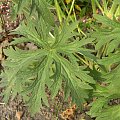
99	6
117	13
101	51
93	6
81	59
105	6
74	14
113	9
72	6
79	30
58	11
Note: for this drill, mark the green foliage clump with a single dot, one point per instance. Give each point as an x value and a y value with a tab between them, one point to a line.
27	72
107	44
62	59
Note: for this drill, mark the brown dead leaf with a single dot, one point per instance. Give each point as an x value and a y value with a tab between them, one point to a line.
68	114
19	114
